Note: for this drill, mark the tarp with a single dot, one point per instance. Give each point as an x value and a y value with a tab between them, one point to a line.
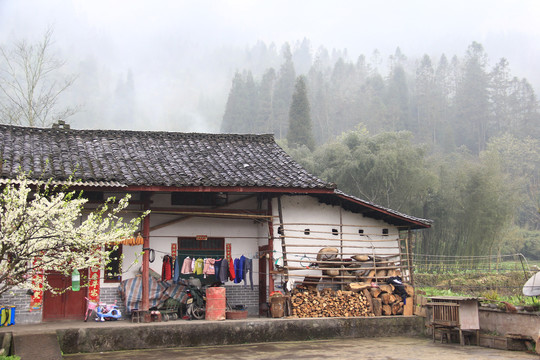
532	286
159	292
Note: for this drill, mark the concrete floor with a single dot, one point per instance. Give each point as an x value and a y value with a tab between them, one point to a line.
387	348
392	348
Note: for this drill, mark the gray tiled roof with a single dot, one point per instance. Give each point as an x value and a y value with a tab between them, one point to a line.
383	210
144	158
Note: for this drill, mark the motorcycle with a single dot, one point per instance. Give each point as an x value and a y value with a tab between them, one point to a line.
196	303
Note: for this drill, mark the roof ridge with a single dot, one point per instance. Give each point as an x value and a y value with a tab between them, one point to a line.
146	132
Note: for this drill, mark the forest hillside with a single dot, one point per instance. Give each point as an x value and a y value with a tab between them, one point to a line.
454	139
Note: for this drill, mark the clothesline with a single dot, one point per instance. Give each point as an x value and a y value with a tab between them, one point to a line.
251	256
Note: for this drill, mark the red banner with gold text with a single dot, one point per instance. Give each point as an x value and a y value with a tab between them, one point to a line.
93	283
37	282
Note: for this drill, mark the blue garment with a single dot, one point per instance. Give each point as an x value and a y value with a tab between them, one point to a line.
217	268
237	271
176	270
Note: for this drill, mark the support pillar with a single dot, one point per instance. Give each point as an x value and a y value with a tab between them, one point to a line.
146	254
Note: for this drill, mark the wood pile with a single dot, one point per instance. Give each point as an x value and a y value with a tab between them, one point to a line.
329	303
384	301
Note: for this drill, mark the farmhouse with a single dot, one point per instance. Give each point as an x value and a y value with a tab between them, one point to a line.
211	196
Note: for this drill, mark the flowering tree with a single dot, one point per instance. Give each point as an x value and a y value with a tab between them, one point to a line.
44	229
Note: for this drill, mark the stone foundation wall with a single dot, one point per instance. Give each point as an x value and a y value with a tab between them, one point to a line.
240	295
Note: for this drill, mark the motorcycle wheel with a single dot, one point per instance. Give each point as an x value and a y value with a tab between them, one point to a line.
196	312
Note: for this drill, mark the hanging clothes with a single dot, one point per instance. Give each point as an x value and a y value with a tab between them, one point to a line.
232	272
224	271
199	266
217	268
239	269
186	266
209	267
166	268
248	267
176	271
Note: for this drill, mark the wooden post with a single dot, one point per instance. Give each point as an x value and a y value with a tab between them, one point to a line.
270	246
146	256
409	257
341	239
282	237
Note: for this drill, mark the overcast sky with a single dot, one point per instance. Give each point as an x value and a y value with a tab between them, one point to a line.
134	33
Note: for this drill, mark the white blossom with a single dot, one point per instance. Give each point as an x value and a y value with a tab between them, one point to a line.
47	225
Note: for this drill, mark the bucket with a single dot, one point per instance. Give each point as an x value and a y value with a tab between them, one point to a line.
7	315
216	303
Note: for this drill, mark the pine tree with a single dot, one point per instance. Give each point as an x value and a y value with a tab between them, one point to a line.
300	132
282	93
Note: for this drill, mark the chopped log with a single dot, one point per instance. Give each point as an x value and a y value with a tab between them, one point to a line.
380	273
391	272
377	306
393	299
397	308
327	254
360	257
331	272
369	277
385	297
358	286
375	292
387	288
386	310
409	289
408	308
369	299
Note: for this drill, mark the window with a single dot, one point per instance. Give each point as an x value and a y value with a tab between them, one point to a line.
361	232
385	232
306	231
113	269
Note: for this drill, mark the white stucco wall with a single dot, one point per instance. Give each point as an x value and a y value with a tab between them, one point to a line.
305	212
244	235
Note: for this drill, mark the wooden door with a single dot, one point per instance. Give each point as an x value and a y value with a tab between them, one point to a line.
70	305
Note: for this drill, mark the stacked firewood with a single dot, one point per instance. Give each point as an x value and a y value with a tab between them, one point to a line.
384	300
309	302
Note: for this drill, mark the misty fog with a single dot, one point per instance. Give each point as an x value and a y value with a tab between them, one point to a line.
168	65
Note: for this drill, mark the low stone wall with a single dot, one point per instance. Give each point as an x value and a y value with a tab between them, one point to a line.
170	334
503	323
